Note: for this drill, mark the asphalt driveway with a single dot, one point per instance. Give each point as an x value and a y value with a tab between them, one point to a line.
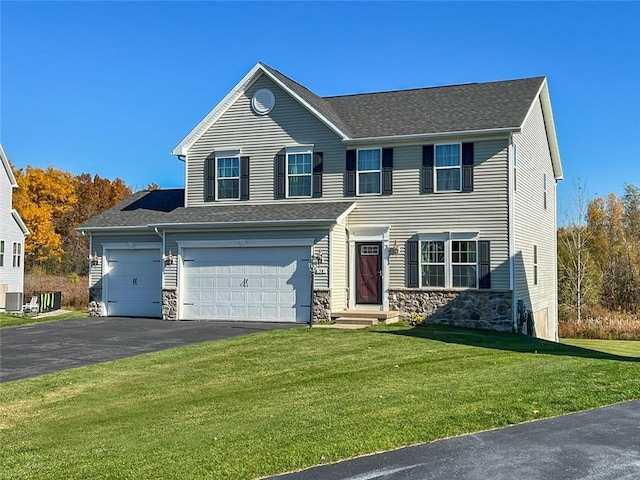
600	444
49	347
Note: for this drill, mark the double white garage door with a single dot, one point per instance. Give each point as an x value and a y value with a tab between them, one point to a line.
252	283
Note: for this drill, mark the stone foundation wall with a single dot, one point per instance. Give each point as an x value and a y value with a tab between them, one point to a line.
321	305
96	305
471	308
169	305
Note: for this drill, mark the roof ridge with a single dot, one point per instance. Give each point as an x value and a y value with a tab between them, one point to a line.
400	90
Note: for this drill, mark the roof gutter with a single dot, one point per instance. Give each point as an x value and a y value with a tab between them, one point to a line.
428	136
258	223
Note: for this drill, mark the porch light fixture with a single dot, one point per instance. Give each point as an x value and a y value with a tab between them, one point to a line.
395	248
95	260
314	261
170	259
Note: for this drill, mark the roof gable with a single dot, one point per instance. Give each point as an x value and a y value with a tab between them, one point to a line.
7	168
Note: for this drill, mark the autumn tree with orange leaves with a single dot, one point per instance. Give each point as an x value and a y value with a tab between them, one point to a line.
52	203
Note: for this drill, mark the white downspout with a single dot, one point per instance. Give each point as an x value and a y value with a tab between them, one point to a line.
511	244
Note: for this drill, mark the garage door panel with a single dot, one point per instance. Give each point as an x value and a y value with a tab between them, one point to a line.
249	283
133	282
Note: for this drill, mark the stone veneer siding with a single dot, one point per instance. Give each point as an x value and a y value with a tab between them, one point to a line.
96	305
321	305
169	304
489	310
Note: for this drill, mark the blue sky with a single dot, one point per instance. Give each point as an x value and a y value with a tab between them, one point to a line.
111	87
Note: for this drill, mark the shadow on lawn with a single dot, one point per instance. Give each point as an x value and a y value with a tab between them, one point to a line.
502	341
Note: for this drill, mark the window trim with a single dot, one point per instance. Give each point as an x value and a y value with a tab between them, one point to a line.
223	156
358	171
436	168
448	238
17	254
298	151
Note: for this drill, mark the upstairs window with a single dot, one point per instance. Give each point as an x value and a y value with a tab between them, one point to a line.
228	178
17	254
299	173
1	253
369	172
448	167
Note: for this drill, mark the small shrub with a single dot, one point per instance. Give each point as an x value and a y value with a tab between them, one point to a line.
417	319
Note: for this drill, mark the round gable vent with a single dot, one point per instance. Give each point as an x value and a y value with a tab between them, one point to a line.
263	101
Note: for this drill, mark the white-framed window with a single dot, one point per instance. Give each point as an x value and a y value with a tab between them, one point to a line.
17	254
448	167
299	172
369	172
1	253
227	177
449	261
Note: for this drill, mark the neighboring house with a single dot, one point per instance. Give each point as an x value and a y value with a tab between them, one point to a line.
439	201
12	234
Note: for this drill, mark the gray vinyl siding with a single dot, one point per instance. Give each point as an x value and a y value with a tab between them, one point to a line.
320	237
533	224
409	213
261	138
11	233
97	242
339	268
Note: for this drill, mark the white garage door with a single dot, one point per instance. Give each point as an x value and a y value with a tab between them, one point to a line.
253	283
134	283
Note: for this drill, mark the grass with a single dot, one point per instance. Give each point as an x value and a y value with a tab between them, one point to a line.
11	320
268	403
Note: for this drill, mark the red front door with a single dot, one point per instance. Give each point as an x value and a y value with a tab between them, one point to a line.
369	273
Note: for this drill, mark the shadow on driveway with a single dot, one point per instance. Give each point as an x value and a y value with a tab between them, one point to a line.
36	349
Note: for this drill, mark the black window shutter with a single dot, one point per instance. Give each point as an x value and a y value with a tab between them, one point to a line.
467	167
426	185
281	176
484	263
350	188
210	179
412	263
244	178
317	174
545	200
387	171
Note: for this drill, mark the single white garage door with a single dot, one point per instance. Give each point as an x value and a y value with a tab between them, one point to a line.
134	283
252	283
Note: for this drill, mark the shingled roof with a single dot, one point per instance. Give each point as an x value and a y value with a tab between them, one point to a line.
166	208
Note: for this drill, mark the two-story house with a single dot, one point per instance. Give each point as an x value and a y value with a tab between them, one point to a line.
12	234
437	201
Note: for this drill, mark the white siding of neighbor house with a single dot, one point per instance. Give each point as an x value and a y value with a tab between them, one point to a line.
339	268
406	211
320	237
11	278
533	224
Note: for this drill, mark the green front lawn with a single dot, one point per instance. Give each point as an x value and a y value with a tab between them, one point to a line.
269	403
10	320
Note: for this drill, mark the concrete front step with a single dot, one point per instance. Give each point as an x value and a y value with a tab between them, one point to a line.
356	321
368	315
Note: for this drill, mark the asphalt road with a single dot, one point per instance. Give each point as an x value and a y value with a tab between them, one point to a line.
601	444
49	347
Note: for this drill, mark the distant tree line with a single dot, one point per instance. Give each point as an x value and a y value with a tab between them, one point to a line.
52	203
599	254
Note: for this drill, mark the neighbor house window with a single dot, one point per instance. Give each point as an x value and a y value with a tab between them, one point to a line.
227	178
299	173
369	175
449	262
535	264
448	167
1	253
17	253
